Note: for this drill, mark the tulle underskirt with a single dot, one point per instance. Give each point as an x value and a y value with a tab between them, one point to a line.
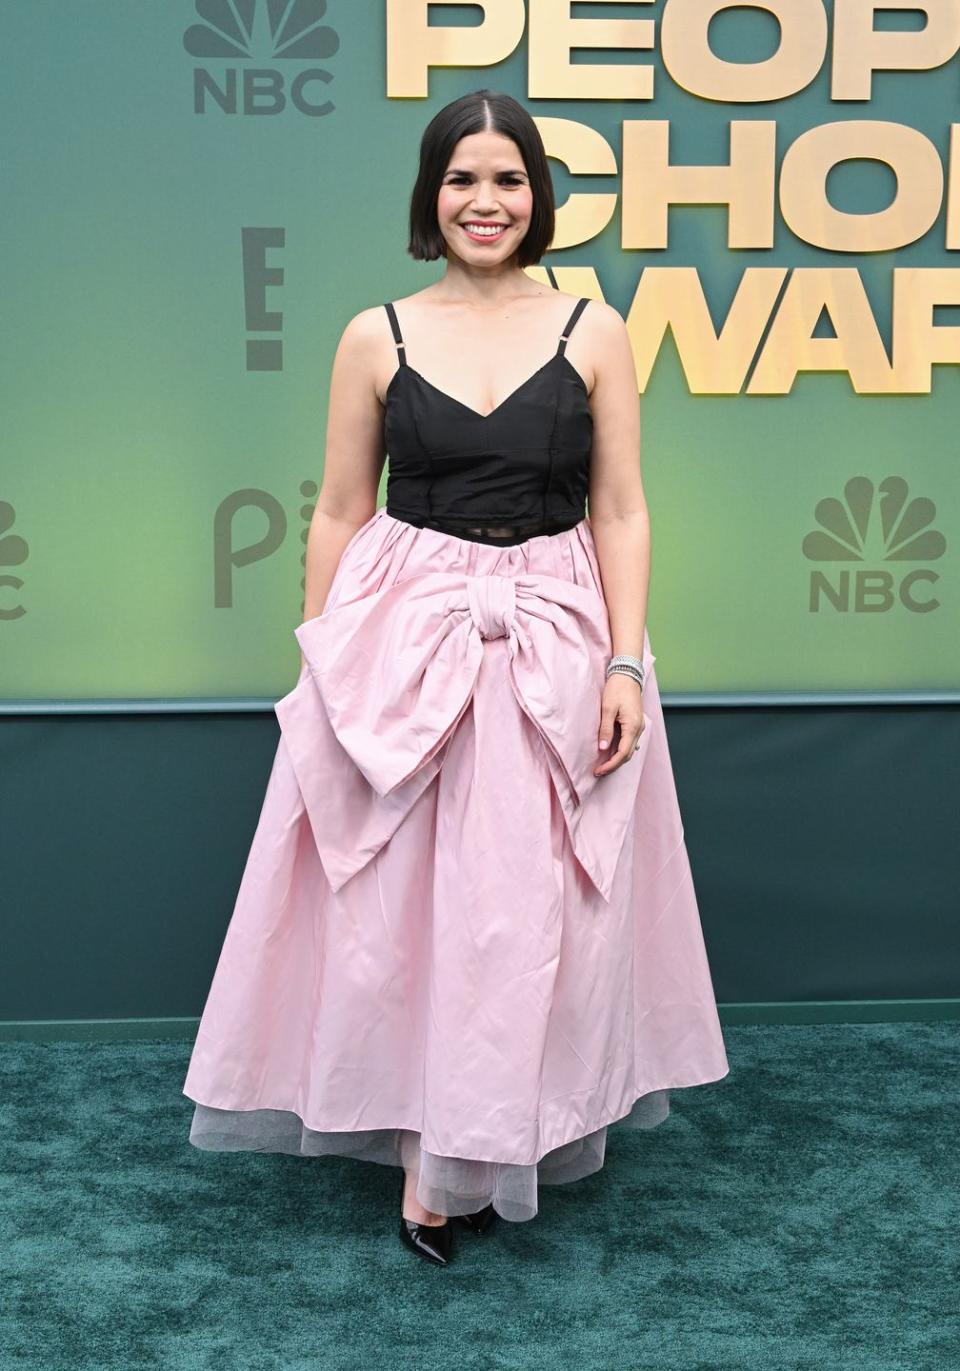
447	1185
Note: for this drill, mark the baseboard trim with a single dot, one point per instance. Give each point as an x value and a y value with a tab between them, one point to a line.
839	1011
670	699
773	1012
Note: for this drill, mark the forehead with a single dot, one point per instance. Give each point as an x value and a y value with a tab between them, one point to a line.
486	150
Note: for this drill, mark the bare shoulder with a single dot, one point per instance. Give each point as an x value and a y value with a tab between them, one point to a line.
364	350
364	329
599	344
609	341
602	330
603	320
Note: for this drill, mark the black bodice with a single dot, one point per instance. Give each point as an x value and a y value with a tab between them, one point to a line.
502	477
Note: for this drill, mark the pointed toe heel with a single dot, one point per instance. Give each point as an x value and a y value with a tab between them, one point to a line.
480	1221
433	1242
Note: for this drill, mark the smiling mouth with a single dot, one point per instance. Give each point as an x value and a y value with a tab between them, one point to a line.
484	233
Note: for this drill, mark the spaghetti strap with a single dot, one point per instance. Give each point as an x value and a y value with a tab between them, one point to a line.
577	311
397	336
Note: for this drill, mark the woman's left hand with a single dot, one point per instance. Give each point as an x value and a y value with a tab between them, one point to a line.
621	721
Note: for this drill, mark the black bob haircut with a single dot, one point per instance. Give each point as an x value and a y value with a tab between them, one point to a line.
478	112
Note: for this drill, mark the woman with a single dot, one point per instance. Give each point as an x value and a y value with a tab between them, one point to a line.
467	940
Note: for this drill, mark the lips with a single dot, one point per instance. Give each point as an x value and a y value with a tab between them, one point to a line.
484	237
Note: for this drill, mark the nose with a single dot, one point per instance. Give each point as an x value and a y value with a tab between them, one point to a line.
493	604
486	193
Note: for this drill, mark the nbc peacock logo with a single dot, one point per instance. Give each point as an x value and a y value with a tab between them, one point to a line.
14	551
874	526
262	32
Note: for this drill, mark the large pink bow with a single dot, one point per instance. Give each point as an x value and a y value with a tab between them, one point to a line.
391	673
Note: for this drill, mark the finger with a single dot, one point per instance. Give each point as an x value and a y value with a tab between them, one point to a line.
608	717
629	744
622	753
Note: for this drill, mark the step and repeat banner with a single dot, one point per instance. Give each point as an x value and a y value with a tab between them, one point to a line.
198	196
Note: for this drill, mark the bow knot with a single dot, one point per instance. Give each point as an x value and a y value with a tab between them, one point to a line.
493	604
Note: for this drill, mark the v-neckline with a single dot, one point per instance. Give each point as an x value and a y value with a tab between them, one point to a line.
475	413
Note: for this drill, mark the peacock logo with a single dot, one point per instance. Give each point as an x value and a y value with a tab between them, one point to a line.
14	551
873	525
264	31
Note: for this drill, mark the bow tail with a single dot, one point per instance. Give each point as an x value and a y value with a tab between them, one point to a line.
598	810
598	826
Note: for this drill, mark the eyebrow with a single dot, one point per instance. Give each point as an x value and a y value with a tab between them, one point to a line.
462	171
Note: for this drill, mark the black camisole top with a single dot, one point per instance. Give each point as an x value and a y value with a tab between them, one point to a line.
502	477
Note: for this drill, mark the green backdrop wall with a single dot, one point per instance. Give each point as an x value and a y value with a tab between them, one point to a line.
197	197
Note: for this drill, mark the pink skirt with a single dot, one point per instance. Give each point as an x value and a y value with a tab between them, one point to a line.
454	949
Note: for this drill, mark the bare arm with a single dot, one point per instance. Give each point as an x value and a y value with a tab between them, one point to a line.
353	460
619	520
618	508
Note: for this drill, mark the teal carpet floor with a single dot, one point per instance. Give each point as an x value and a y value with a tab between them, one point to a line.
802	1213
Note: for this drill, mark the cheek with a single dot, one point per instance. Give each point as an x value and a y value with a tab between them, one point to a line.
521	203
448	203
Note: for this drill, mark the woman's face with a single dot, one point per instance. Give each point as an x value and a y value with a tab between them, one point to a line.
485	183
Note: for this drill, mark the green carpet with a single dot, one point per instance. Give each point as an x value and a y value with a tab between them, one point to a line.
801	1213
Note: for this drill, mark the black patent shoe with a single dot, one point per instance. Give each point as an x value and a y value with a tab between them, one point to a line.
433	1242
480	1221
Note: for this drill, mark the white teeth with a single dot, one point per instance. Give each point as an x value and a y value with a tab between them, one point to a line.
486	231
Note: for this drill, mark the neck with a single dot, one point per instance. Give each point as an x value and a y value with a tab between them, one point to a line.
488	289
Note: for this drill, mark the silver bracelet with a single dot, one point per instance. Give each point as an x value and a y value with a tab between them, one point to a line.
627	666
